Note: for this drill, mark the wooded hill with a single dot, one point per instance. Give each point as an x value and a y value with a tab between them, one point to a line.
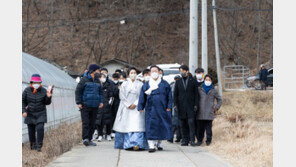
75	33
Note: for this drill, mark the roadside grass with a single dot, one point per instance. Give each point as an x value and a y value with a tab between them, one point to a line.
56	142
243	133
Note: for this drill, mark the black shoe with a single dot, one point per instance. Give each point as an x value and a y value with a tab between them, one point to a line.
92	143
208	143
171	141
198	143
86	142
38	147
33	146
177	141
192	144
151	150
159	148
184	144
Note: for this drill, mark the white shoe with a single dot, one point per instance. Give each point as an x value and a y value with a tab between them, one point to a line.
95	135
112	135
100	138
109	138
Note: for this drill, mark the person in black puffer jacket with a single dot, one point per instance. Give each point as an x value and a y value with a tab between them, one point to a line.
34	101
105	116
88	96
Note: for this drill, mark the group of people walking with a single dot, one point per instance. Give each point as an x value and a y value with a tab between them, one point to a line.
137	114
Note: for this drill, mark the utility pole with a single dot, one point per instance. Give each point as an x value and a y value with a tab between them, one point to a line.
217	48
193	36
204	36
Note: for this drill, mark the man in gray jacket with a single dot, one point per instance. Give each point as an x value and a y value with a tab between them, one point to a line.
207	108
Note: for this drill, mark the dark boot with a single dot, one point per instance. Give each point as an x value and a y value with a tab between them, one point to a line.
38	147
198	143
192	143
171	140
33	146
151	150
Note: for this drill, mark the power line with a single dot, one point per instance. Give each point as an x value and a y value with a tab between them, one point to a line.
132	17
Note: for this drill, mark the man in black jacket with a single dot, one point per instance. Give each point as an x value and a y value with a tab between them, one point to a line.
88	96
186	100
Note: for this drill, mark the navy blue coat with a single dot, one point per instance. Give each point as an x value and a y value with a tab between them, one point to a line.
89	92
158	121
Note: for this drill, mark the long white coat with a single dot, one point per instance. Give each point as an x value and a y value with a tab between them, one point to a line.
128	120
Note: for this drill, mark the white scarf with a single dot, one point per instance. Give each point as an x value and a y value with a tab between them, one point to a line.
153	85
130	85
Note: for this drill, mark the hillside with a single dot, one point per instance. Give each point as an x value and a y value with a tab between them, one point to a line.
76	33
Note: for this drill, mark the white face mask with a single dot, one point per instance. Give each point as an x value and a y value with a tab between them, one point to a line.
115	81
36	86
160	75
133	76
154	75
147	78
121	80
103	79
199	76
208	83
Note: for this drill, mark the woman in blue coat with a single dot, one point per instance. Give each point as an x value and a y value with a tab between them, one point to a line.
156	99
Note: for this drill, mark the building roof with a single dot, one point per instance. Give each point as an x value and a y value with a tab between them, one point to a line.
115	60
50	74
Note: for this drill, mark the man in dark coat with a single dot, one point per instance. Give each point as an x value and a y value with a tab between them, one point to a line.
116	100
88	96
263	76
34	101
156	99
105	116
186	100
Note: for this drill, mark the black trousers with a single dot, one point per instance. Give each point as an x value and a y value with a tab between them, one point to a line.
32	129
187	129
202	127
108	129
88	117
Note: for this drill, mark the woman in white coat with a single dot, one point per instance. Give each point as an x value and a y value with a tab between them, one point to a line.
129	123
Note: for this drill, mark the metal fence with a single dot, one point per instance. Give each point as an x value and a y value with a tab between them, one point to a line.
234	76
63	107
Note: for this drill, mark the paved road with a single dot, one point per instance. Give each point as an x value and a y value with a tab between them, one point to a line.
105	155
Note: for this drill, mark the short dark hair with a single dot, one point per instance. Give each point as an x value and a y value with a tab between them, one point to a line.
184	67
146	71
130	69
115	75
209	77
118	70
104	69
199	70
123	74
155	66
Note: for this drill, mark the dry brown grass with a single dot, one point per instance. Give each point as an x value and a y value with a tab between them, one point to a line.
56	142
243	134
